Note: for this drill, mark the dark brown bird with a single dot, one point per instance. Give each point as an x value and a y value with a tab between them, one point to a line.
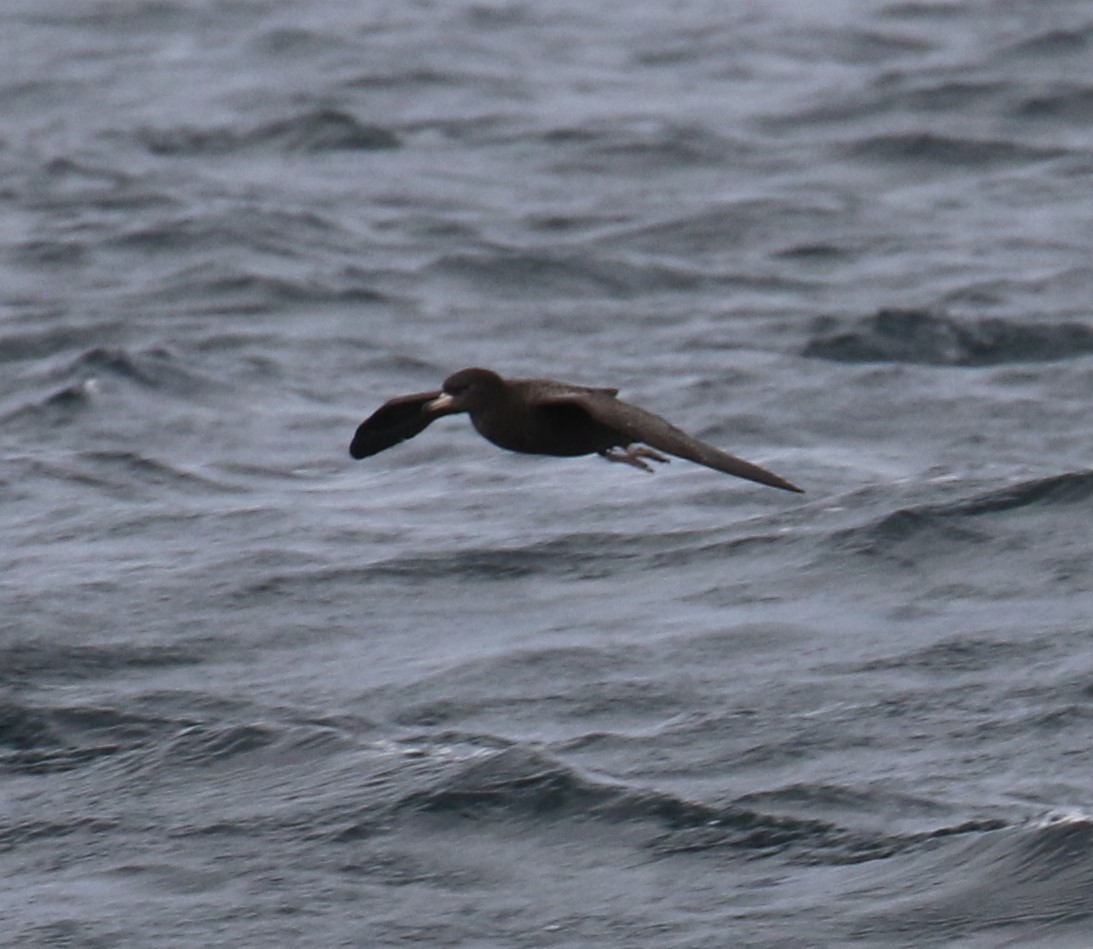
544	417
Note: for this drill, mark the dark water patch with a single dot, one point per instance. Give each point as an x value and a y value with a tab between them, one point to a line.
923	96
570	224
204	744
221	288
650	146
38	739
1067	102
301	43
1028	884
43	831
555	558
127	471
520	785
1054	42
947	95
41	739
64	184
266	230
879	808
534	668
514	782
248	744
42	252
63	170
119	363
569	684
33	344
1053	720
291	41
56	409
148	370
958	655
715	229
155	368
123	475
940	527
410	76
921	10
1065	489
38	663
516	274
924	527
860	47
56	760
819	252
23	728
115	19
804	840
927	337
948	150
580	556
318	130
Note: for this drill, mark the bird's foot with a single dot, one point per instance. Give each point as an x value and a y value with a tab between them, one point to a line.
633	456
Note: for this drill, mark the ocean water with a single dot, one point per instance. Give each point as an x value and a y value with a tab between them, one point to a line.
254	693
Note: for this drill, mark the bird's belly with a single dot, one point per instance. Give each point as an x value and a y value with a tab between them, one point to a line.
549	440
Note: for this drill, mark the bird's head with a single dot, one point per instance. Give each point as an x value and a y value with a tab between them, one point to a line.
466	391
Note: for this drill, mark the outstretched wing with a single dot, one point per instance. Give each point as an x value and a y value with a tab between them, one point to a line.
393	422
637	425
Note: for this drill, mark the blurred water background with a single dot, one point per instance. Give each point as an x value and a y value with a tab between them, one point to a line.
253	693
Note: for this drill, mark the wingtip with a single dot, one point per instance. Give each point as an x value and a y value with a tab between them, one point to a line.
359	448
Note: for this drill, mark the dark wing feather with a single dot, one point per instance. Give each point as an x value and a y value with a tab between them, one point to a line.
393	422
638	425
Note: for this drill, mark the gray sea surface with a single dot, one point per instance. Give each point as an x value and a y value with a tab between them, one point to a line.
253	693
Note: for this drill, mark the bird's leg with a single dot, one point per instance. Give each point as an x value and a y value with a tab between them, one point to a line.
633	456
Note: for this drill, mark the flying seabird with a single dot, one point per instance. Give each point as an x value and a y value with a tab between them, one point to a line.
545	417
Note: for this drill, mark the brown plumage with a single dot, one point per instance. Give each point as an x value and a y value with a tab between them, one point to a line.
544	417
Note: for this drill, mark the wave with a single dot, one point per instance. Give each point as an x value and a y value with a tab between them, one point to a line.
127	471
57	407
24	662
565	273
1054	42
712	230
68	391
955	521
1037	876
641	146
520	784
317	130
155	368
42	740
265	230
1068	102
913	93
922	336
582	556
223	289
31	344
949	150
160	732
482	566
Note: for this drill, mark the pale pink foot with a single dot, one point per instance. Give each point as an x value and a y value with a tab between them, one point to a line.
633	456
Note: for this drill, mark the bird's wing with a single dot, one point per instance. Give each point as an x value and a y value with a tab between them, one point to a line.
551	390
637	425
393	422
